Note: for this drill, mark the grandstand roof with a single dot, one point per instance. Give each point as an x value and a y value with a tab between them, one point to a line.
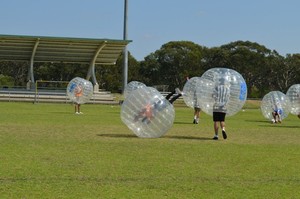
60	49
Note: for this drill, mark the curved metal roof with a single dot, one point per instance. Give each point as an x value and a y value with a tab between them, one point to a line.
60	49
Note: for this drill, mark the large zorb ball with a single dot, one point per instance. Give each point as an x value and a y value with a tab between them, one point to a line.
79	90
221	90
293	94
189	90
131	86
275	100
147	113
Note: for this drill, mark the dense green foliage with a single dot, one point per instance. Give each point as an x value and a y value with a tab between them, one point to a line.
49	152
263	69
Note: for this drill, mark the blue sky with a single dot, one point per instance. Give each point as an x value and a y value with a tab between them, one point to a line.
152	23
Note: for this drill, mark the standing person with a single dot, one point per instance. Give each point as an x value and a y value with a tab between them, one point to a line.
197	109
196	114
78	95
190	99
221	96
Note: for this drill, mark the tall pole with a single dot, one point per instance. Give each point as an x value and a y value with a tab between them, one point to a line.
125	52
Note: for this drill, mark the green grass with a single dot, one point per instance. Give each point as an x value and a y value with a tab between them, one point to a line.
49	152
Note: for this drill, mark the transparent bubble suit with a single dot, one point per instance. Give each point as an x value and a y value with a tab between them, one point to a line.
79	90
147	113
189	90
131	86
293	95
221	90
275	100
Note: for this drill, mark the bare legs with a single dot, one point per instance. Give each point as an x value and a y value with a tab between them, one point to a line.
216	128
77	109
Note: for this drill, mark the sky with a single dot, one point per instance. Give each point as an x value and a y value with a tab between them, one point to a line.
152	23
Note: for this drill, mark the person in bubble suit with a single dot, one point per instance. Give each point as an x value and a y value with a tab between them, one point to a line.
148	112
197	110
195	103
221	96
277	112
78	92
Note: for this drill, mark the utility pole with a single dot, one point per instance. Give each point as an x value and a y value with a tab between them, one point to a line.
125	52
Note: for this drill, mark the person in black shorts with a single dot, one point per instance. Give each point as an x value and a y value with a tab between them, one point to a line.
219	117
221	96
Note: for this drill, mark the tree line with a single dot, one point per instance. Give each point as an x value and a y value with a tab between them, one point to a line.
263	69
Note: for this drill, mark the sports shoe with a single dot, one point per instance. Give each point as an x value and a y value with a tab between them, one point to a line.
76	113
215	137
224	134
195	121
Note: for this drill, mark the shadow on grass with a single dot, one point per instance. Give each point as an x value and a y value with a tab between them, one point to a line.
62	113
117	135
164	137
265	123
279	126
259	121
186	137
183	123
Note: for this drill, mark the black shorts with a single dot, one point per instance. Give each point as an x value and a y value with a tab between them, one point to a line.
219	117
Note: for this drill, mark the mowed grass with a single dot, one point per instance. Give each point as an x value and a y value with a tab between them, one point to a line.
49	152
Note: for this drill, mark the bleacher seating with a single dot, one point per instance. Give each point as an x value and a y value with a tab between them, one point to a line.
52	96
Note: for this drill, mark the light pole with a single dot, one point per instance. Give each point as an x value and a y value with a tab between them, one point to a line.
125	52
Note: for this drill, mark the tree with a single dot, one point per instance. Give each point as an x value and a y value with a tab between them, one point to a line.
59	71
290	73
6	81
17	70
150	70
253	61
172	63
110	76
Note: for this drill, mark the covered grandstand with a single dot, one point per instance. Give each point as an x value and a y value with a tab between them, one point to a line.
35	49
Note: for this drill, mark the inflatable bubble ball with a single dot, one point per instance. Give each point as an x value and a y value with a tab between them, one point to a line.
189	90
131	86
275	100
147	113
293	95
80	90
221	90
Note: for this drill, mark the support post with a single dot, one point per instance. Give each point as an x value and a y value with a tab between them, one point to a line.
30	77
125	52
91	72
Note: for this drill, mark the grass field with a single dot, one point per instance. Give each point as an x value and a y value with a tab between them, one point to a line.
49	152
